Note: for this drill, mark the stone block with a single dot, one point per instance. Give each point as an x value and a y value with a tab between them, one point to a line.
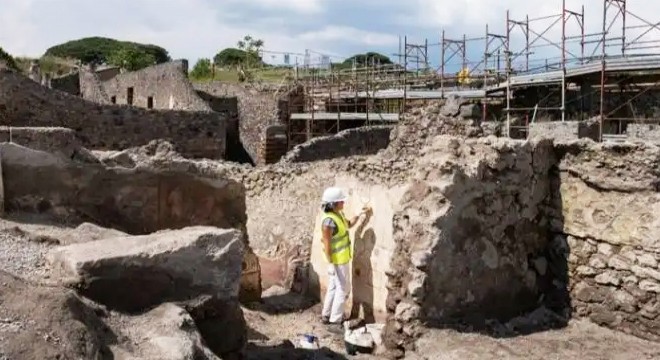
136	272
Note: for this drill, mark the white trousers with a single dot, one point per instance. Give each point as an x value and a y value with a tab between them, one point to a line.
339	287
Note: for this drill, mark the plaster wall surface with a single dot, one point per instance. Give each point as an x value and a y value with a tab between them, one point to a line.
373	249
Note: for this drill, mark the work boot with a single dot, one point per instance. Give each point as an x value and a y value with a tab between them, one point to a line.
335	328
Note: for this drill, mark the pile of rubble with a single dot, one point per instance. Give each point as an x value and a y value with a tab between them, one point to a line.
170	295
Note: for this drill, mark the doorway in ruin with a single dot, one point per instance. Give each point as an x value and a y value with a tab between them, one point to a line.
129	96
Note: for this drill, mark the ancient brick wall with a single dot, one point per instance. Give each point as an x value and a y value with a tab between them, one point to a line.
258	109
162	86
26	103
358	141
564	130
643	132
68	83
51	139
227	106
607	207
91	88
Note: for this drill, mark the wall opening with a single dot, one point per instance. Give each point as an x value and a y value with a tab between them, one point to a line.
150	102
129	96
113	99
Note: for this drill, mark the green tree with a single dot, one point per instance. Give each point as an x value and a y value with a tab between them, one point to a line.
100	49
230	57
252	48
202	69
8	59
131	58
368	59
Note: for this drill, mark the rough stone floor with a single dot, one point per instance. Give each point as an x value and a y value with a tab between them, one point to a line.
580	340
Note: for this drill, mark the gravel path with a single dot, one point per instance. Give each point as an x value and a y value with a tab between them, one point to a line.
21	256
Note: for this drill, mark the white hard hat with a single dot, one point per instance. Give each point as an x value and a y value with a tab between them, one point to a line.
333	195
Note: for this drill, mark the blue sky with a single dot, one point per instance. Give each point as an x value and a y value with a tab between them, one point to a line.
199	28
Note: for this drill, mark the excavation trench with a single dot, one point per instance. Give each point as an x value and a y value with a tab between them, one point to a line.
137	201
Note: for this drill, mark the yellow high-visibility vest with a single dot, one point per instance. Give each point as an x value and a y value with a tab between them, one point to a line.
340	244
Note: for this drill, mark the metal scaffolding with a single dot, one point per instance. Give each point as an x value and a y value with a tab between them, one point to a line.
572	82
520	75
337	99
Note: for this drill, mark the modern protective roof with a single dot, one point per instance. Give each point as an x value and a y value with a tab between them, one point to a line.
622	64
386	117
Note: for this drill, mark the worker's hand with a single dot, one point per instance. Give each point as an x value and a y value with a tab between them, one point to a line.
366	211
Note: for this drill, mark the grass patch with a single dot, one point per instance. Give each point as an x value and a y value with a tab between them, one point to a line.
274	75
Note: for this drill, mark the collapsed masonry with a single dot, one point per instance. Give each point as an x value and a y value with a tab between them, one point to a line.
170	290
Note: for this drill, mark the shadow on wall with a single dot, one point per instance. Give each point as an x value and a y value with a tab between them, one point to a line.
228	107
476	251
362	284
499	284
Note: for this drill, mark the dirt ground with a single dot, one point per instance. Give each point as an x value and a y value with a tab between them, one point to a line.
580	340
280	319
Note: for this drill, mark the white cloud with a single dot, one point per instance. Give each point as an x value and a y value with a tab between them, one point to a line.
350	35
298	6
187	28
199	28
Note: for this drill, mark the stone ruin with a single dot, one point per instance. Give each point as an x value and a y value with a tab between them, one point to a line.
469	232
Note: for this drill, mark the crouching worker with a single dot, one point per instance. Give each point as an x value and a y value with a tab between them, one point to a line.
338	253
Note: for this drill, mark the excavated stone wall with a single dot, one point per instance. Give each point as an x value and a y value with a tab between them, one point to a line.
607	208
258	109
69	83
470	232
135	198
26	103
643	132
351	142
466	231
565	130
166	84
292	191
56	140
91	88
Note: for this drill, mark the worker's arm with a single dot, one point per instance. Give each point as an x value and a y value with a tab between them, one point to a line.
327	237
